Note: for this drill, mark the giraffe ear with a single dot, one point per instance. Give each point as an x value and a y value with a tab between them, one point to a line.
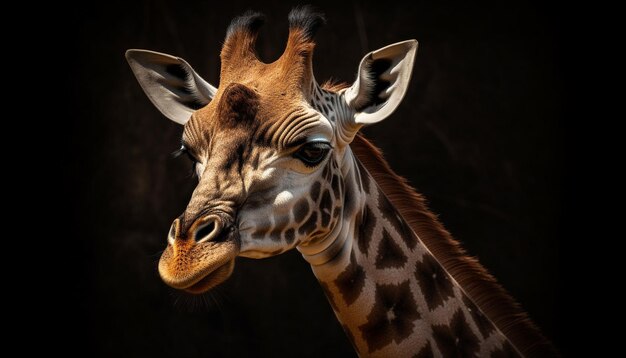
381	83
170	83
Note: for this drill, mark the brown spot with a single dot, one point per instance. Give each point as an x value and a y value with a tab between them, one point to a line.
391	214
300	210
326	171
276	233
506	351
325	207
433	281
263	228
484	324
334	185
366	229
456	340
290	236
315	191
391	318
413	208
425	352
309	225
389	253
351	281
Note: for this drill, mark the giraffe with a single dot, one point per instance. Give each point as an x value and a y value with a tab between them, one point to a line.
281	164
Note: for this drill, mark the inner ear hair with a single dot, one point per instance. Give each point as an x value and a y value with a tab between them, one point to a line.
375	83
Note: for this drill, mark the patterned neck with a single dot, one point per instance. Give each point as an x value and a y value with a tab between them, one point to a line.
392	297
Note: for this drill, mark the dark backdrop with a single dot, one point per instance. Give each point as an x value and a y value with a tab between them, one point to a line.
479	133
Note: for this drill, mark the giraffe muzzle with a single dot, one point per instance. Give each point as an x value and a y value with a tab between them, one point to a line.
202	257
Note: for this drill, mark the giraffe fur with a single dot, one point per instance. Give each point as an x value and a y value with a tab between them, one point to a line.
277	169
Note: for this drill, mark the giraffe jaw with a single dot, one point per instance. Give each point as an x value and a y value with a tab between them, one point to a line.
198	267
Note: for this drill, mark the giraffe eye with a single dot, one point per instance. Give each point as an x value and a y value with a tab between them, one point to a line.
313	153
184	151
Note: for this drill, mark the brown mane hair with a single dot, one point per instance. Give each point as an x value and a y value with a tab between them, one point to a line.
480	286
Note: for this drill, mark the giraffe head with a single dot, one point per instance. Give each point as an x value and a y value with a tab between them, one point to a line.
267	145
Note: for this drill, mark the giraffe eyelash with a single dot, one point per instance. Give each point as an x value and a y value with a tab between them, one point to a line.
178	152
184	151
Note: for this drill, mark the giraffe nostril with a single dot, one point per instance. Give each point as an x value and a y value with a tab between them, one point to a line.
205	230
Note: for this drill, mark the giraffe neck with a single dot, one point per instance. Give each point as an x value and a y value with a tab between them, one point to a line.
392	297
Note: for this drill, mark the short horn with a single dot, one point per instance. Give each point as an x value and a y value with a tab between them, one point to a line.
238	49
306	21
297	58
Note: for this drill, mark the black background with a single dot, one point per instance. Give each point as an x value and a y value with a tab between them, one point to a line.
480	133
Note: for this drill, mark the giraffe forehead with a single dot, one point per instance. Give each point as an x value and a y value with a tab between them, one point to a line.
262	116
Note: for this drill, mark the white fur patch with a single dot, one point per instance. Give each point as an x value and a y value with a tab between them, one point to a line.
283	198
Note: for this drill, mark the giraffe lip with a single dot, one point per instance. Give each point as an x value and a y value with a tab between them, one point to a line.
212	279
198	267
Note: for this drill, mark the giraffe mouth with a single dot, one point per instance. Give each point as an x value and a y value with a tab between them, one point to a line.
213	279
198	267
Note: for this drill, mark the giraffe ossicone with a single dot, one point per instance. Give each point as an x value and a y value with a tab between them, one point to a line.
281	165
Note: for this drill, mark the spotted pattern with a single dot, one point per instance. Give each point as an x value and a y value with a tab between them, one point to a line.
312	215
263	228
300	210
391	215
324	102
434	282
399	298
407	301
290	236
456	339
390	254
315	190
309	225
275	234
391	317
325	208
351	281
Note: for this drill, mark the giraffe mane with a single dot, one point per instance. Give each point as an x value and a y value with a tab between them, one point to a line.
334	85
478	284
